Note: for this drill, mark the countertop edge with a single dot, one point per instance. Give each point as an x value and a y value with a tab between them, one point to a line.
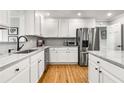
26	56
108	60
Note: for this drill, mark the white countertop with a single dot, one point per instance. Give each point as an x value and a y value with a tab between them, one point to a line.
62	46
114	57
7	60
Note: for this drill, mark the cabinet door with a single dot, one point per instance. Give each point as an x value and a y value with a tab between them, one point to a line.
22	77
62	56
53	56
72	56
34	72
93	73
40	68
63	28
37	24
106	77
29	22
73	25
50	28
4	17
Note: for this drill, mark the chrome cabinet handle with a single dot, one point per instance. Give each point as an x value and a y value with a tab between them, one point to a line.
100	71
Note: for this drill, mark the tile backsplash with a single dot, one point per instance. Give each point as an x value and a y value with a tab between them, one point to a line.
57	41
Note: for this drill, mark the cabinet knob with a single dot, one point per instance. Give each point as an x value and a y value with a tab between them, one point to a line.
96	68
98	62
17	69
100	71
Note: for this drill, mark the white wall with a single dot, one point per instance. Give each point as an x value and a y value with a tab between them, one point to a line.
114	33
118	19
102	23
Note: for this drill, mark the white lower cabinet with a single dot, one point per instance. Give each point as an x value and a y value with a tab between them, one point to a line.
17	73
41	65
64	55
34	71
40	68
28	70
37	66
53	56
100	71
93	74
106	77
22	77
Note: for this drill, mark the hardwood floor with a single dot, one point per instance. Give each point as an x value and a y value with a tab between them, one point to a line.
65	74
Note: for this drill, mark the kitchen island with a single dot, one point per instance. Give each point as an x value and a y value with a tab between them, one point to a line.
106	66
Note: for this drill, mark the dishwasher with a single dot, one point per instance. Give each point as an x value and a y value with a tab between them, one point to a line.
46	58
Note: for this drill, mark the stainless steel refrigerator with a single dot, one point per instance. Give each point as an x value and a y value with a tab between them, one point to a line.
86	39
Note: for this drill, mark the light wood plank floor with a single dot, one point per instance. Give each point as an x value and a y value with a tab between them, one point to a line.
65	74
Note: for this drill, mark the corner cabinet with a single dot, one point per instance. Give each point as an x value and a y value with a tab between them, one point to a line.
101	71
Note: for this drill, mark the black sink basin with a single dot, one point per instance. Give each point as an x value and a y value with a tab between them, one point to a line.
26	51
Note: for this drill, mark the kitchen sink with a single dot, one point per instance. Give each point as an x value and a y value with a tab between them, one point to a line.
26	51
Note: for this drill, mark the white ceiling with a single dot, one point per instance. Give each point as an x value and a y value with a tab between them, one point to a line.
97	14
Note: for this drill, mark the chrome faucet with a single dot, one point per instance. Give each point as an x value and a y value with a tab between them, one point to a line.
18	45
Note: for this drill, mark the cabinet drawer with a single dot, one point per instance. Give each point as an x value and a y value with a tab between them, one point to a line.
72	48
94	59
113	69
64	49
12	71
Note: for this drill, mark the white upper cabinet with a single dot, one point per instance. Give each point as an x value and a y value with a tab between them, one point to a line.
37	23
89	23
63	28
73	25
29	22
79	23
32	23
4	17
50	28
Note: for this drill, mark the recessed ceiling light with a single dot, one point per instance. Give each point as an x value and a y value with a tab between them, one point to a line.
109	14
79	14
48	14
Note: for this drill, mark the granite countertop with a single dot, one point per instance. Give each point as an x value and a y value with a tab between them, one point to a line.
10	59
114	57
